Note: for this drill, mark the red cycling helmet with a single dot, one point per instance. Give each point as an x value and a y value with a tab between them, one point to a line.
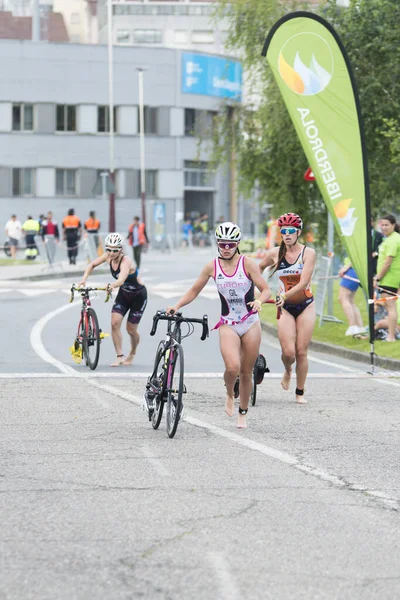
290	220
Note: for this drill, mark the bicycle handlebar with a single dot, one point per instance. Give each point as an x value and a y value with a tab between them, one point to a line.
86	290
161	315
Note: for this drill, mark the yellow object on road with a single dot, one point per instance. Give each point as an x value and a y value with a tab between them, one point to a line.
76	352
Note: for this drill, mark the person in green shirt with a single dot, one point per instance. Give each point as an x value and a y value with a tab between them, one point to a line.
387	278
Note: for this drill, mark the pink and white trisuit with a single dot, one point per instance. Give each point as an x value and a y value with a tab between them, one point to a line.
235	292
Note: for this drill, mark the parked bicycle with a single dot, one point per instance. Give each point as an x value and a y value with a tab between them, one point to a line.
166	383
259	370
89	335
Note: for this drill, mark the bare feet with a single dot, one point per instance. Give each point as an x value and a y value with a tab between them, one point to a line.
129	359
286	378
301	400
229	406
119	361
241	421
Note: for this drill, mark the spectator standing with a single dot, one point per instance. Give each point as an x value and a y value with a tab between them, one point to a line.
347	291
137	237
92	226
14	233
377	239
31	227
51	236
387	278
72	229
187	233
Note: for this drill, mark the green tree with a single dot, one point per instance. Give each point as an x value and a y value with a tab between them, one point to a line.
262	137
370	31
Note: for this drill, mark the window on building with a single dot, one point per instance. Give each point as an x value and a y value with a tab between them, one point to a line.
150	114
65	182
199	122
147	36
23	182
75	18
103	119
108	187
202	37
198	175
181	36
123	36
190	121
75	39
22	117
66	117
150	182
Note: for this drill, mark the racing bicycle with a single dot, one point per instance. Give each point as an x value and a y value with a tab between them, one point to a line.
89	335
166	383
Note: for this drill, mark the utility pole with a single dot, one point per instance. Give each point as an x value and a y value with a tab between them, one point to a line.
141	133
35	21
111	218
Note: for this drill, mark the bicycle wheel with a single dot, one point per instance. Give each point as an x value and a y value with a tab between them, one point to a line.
174	390
91	339
157	380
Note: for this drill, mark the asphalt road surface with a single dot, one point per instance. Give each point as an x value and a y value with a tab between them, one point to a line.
96	504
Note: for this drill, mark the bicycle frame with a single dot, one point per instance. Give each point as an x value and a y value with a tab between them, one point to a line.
173	339
86	304
169	353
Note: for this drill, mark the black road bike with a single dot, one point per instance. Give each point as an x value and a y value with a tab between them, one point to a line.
259	370
166	383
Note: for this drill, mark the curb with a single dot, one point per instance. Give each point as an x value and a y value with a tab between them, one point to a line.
363	357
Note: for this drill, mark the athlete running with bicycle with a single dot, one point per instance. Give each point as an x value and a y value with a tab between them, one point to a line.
132	295
239	326
294	265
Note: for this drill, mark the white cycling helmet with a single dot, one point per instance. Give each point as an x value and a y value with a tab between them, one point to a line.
114	240
228	232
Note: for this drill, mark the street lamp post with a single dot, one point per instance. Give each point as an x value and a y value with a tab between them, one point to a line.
141	133
111	217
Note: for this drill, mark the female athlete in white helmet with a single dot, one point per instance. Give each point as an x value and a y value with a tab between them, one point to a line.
239	326
131	297
294	265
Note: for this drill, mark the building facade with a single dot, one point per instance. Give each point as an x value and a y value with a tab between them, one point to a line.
179	24
54	133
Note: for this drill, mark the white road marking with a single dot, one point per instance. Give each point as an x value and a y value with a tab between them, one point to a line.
37	344
227	588
31	292
155	462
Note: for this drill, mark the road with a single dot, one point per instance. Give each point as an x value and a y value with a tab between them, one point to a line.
95	504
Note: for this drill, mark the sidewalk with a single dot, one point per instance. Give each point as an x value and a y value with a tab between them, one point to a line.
390	364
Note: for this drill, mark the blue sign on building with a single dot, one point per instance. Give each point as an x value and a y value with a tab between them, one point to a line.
211	76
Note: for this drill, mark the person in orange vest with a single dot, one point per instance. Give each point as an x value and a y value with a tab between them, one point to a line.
72	229
137	237
92	226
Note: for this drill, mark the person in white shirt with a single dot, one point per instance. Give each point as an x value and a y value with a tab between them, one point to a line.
14	232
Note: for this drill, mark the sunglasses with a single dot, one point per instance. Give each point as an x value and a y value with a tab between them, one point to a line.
288	230
113	250
227	245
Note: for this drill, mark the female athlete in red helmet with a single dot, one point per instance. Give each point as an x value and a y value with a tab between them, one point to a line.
294	265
